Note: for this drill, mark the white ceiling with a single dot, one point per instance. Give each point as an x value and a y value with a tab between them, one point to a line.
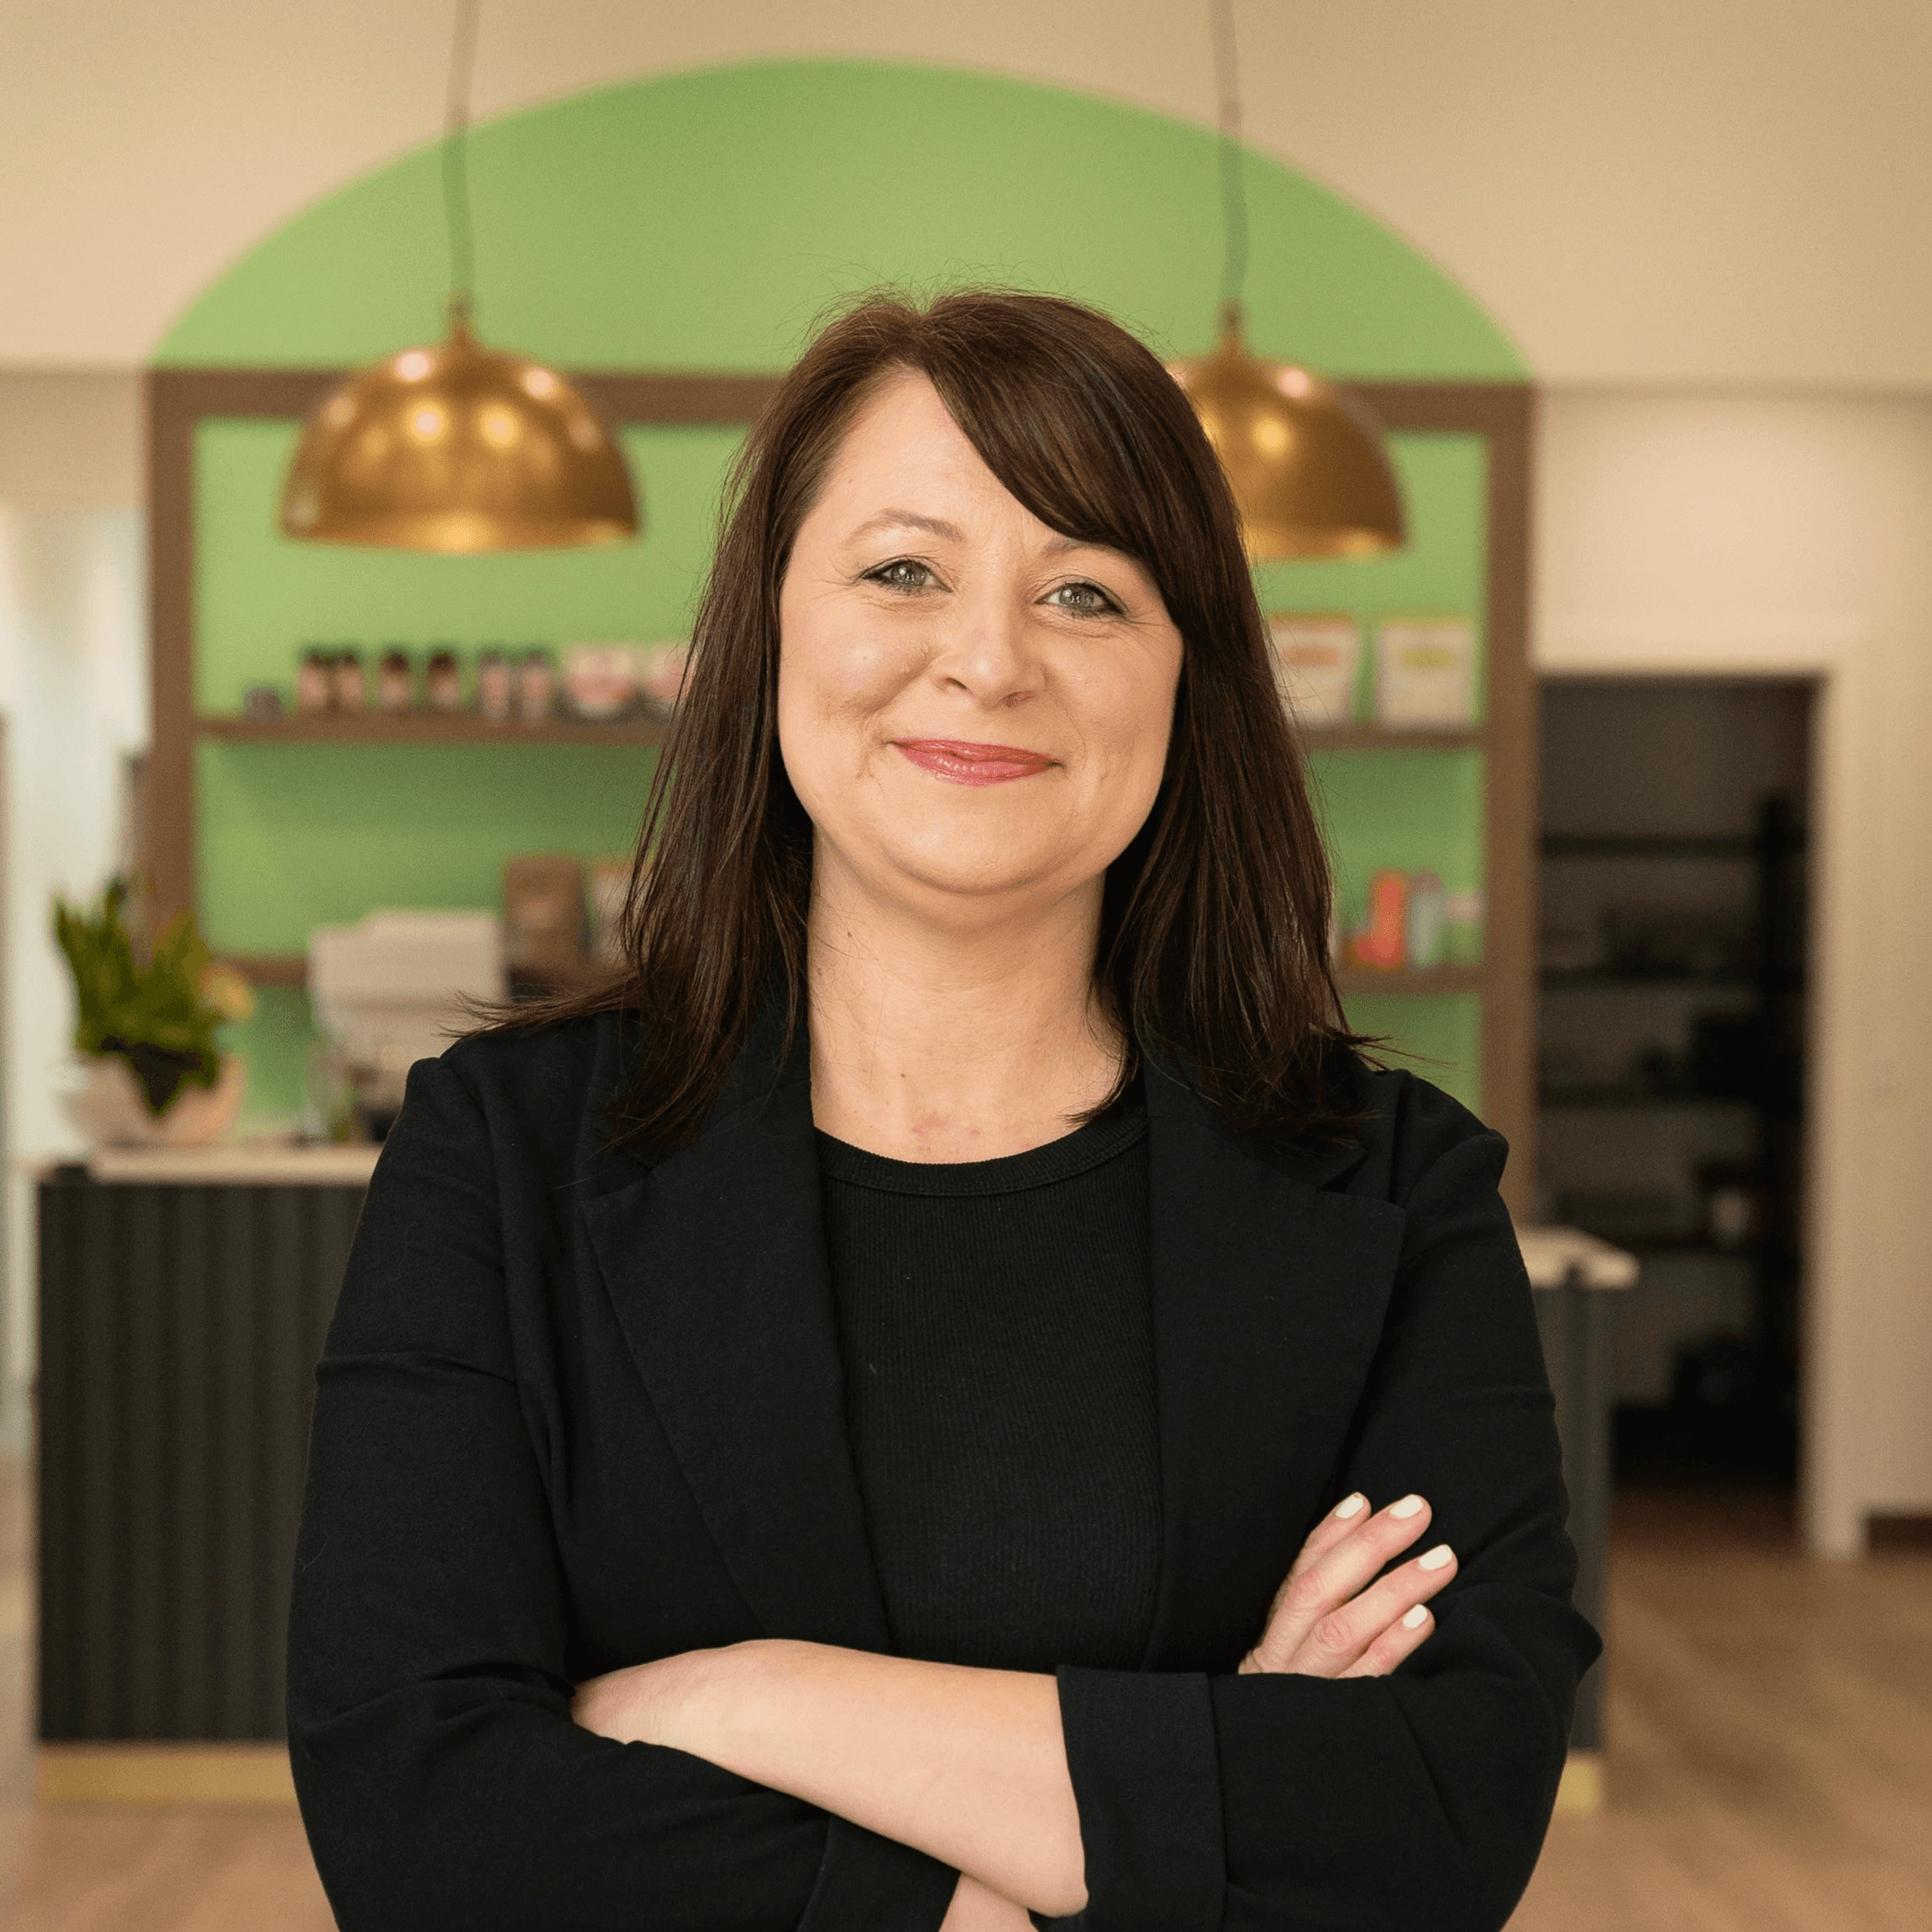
1656	191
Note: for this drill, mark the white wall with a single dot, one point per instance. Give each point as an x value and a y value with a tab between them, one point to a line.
73	691
1712	191
1701	533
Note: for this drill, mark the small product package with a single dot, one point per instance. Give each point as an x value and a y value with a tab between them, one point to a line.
597	683
395	680
1381	942
1425	924
659	671
315	680
543	916
443	679
536	686
496	685
348	682
1315	655
1424	677
610	889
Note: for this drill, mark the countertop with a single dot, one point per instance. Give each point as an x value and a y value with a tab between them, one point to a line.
1567	1257
236	1163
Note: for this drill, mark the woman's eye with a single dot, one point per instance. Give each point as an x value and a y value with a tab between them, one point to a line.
901	573
1084	600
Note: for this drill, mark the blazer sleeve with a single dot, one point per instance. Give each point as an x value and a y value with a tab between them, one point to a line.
441	1779
1232	1804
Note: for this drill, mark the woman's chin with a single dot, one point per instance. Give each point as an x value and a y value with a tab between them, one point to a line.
971	863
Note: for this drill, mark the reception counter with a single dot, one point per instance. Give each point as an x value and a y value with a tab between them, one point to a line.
184	1301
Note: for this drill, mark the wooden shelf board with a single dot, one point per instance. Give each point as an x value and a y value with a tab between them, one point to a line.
1410	980
291	969
425	727
1379	738
269	968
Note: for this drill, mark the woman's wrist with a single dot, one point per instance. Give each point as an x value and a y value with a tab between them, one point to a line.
675	1702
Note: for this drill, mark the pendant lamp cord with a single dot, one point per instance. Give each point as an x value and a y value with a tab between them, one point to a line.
456	163
1233	183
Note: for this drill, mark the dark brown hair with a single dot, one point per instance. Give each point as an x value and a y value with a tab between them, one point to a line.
1213	944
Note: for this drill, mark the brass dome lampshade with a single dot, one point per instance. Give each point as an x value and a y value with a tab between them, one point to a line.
458	448
1305	464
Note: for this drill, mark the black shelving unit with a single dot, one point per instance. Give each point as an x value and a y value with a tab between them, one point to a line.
1746	1058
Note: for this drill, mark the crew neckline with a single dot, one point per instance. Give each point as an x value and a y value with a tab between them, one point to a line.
1089	1147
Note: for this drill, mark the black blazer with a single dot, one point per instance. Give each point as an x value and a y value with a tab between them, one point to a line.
577	1411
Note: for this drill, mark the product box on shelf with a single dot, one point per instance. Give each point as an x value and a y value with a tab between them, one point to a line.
1315	655
1424	673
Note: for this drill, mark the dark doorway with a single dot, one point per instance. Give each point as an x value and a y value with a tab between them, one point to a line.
1671	1050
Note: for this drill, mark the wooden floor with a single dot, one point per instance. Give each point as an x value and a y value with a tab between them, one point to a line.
1770	1764
1770	1736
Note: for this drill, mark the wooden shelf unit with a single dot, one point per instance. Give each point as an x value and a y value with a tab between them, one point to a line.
179	400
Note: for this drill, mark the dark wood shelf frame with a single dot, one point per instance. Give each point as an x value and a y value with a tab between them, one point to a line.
425	727
178	400
1380	737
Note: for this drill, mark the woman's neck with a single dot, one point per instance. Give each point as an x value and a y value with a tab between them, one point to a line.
953	1038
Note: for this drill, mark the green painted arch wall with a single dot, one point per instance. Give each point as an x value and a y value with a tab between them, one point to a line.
700	220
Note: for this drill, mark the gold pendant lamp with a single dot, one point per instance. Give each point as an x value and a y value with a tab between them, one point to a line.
1306	464
458	448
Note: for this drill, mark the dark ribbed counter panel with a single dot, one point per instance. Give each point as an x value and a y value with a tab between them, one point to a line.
179	1328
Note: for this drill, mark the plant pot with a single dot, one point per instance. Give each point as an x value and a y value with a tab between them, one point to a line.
108	1109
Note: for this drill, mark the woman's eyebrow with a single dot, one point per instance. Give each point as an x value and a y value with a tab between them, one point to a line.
905	520
1062	543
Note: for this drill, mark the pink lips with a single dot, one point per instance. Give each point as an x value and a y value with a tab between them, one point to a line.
973	764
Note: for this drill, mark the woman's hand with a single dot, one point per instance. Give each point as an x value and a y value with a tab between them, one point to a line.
1333	1618
977	1907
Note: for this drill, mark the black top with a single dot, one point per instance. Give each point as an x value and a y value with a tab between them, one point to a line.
579	1410
999	1394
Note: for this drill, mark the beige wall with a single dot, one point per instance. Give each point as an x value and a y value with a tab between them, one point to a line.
1711	191
70	439
1699	533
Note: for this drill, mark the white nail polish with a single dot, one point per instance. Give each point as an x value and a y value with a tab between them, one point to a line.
1351	1506
1407	1507
1436	1558
1416	1618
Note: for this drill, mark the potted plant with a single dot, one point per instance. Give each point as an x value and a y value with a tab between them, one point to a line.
145	1031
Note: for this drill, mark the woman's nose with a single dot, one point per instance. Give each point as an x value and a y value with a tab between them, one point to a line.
986	651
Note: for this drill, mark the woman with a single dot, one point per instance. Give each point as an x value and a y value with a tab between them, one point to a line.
812	1435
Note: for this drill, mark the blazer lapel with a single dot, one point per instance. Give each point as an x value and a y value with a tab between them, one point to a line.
1269	1297
715	1263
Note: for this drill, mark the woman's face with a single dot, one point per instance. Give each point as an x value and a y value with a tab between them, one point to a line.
973	708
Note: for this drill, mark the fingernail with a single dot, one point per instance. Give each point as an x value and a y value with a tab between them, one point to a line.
1436	1558
1407	1507
1350	1506
1416	1618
